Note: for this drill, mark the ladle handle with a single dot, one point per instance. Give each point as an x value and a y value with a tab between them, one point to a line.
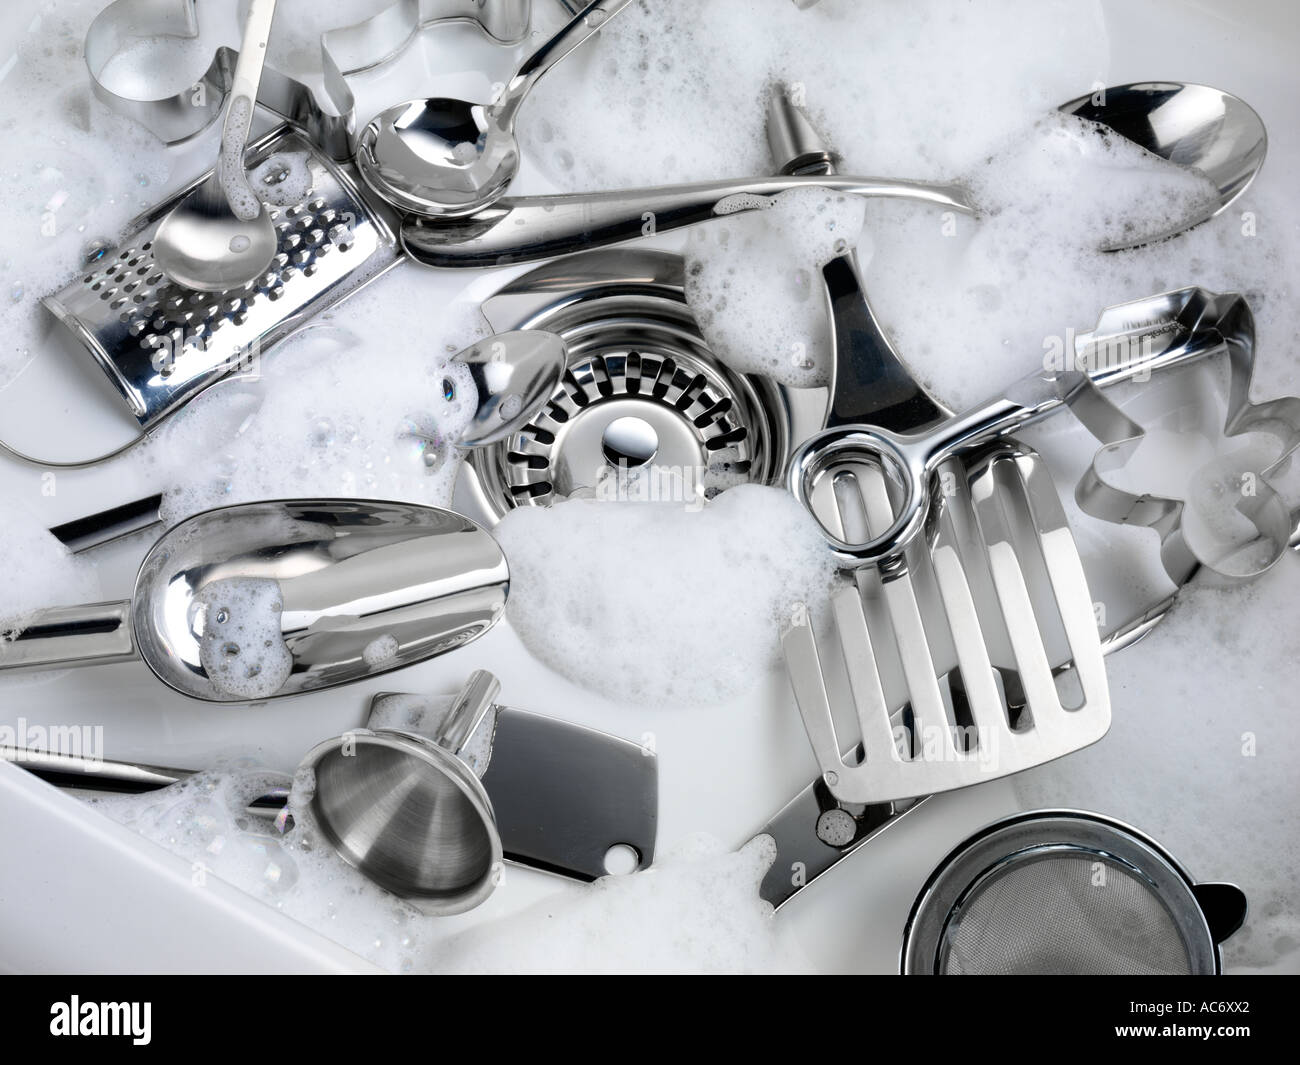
241	102
64	636
247	78
586	22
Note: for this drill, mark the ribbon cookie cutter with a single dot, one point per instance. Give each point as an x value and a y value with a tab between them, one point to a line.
1216	322
326	113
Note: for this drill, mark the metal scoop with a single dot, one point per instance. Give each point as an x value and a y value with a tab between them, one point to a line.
221	235
332	591
447	158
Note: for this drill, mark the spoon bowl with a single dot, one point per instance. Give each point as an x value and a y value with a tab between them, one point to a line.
203	245
221	237
1195	126
448	158
440	157
515	373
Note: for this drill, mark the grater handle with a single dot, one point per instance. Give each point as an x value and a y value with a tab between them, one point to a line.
64	636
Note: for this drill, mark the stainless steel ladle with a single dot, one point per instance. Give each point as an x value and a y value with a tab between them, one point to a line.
1191	125
221	236
446	157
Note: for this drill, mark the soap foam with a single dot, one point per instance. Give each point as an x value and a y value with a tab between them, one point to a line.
380	650
346	408
754	283
76	175
38	570
284	179
661	602
671	91
696	911
230	163
241	649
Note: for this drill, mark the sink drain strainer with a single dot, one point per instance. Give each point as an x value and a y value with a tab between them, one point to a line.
643	403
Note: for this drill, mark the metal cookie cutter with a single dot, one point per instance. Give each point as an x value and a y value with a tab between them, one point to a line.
326	113
161	344
1225	320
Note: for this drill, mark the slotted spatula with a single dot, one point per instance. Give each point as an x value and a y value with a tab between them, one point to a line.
973	625
948	650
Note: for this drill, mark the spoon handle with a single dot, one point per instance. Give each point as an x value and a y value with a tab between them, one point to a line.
578	29
529	228
241	101
64	636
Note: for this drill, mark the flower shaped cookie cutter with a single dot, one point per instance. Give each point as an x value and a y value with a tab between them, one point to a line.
1216	322
325	112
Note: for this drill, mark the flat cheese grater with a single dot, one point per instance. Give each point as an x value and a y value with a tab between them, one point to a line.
161	344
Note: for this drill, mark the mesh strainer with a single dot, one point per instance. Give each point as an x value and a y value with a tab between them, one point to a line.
1063	892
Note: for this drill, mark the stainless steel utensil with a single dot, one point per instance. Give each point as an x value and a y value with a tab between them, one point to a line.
161	344
958	622
325	109
635	352
911	460
1191	125
870	383
1194	126
221	236
1222	321
447	158
528	228
1054	892
408	811
982	697
514	373
474	778
362	588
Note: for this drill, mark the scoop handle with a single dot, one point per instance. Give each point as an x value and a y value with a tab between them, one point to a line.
63	636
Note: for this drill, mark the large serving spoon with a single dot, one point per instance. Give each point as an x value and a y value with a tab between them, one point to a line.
359	588
1195	126
221	235
447	158
1190	125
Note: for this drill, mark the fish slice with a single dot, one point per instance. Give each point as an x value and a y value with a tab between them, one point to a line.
941	647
